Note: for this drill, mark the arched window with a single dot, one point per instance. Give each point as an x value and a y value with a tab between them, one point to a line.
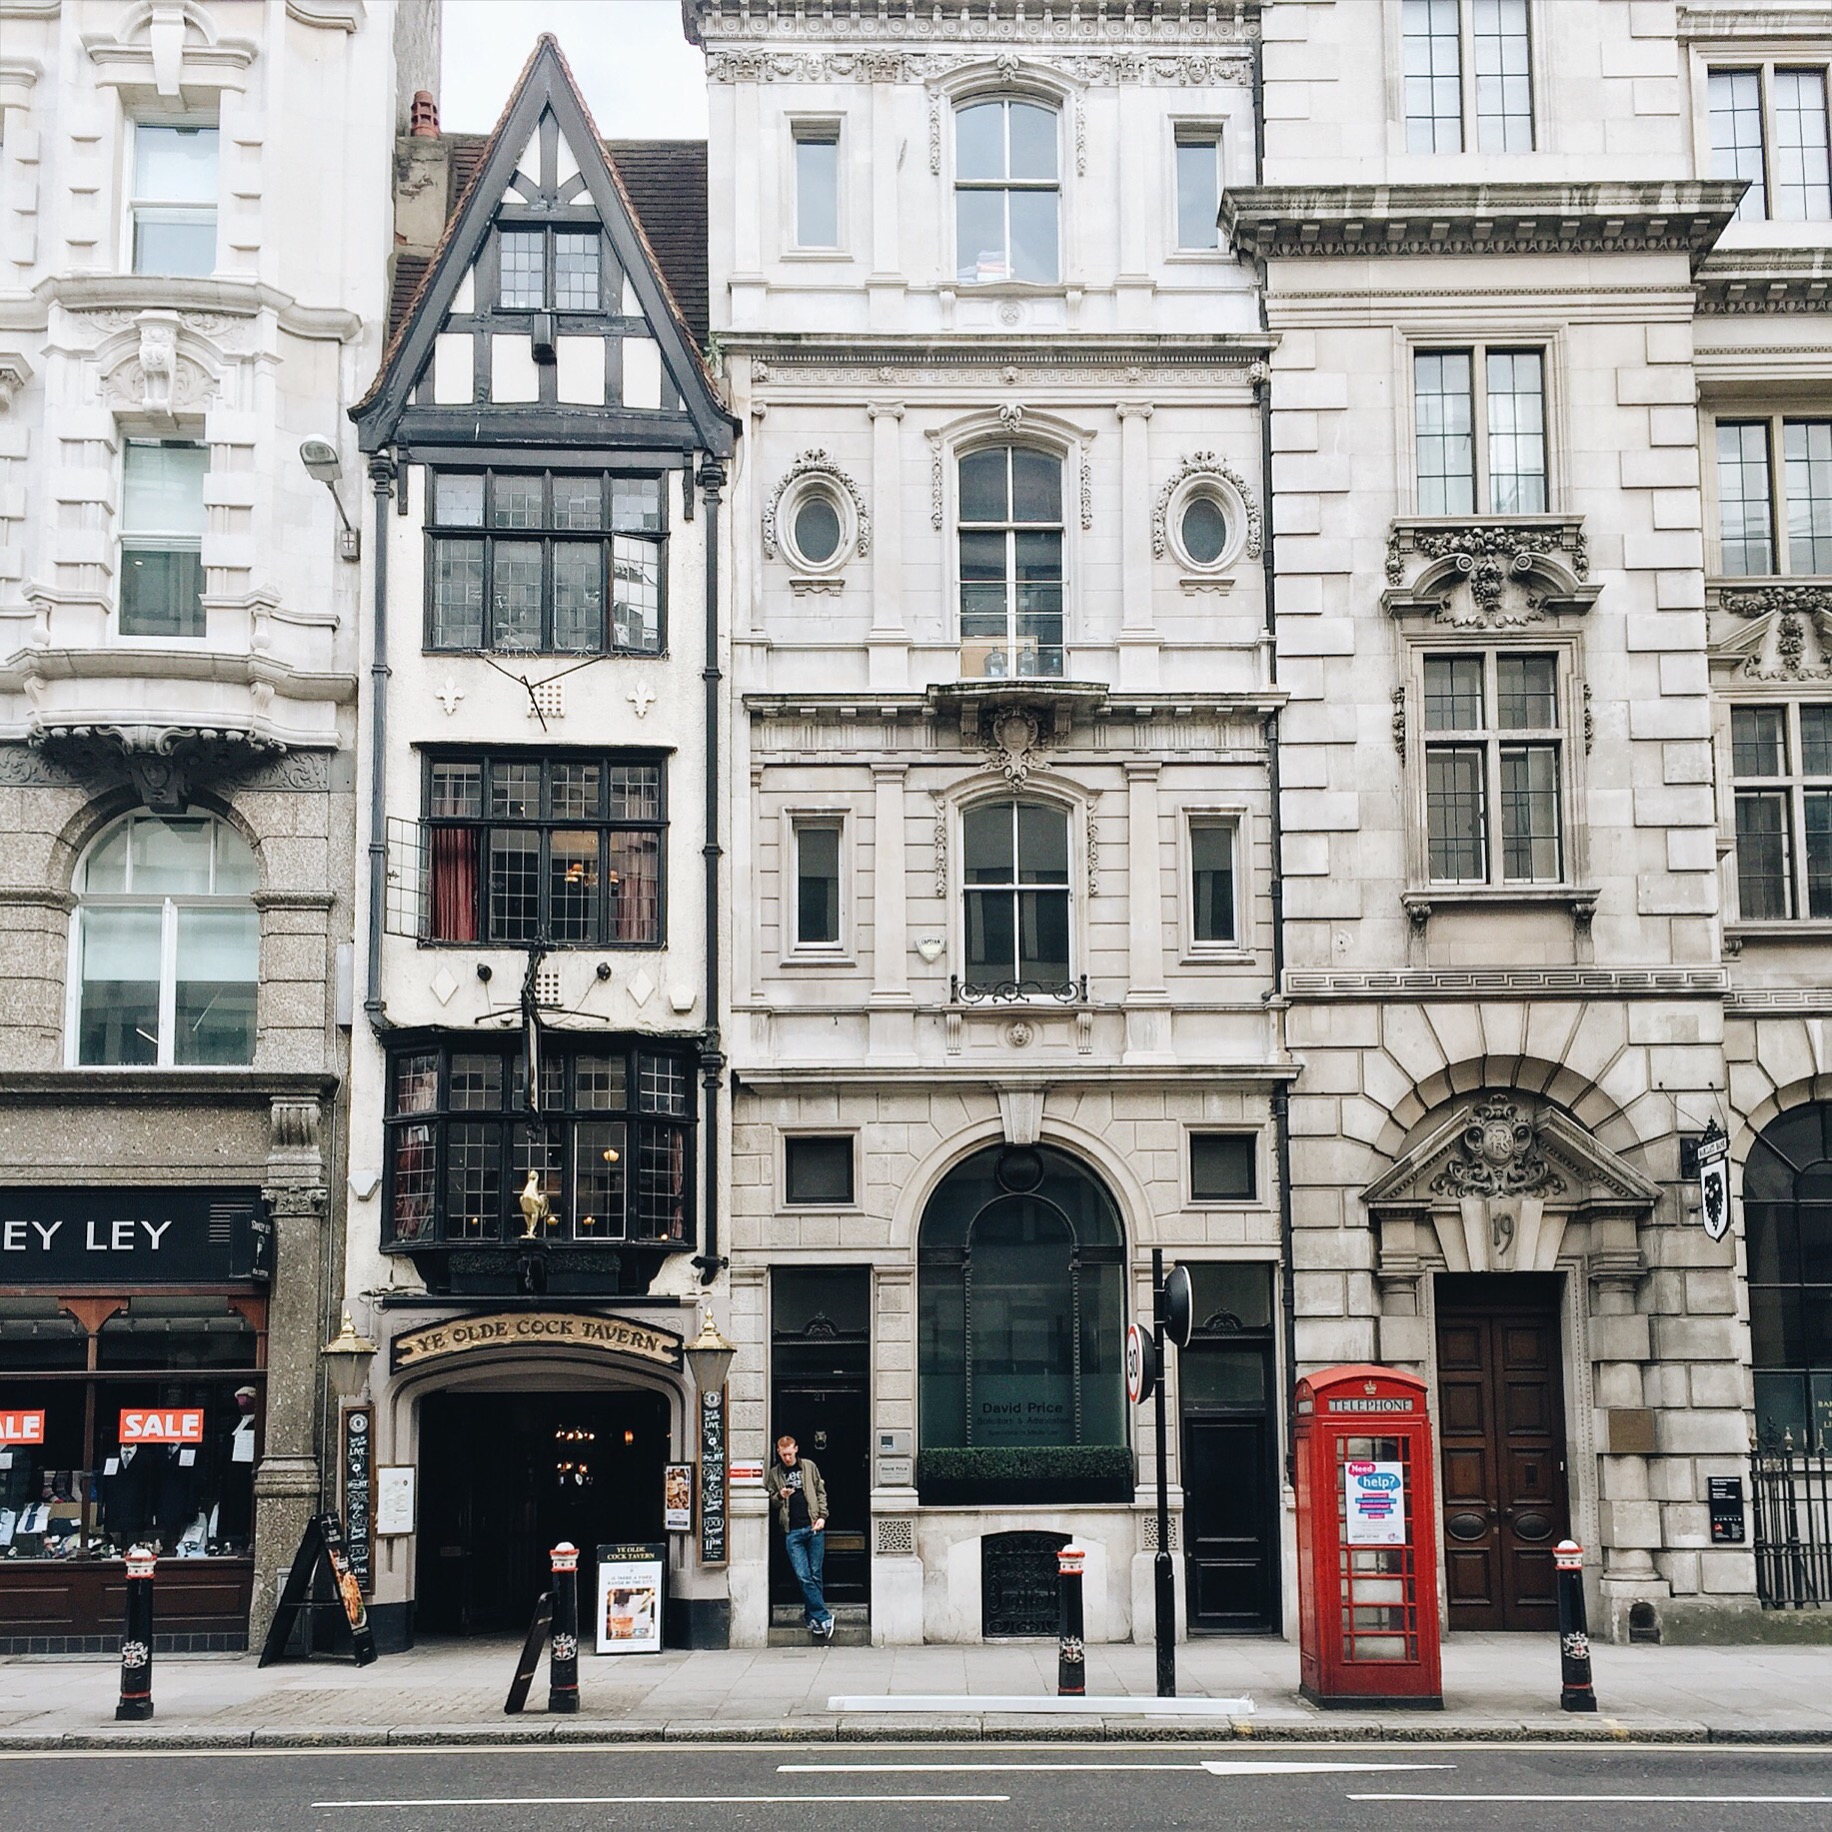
168	945
1010	534
1787	1222
1015	867
1020	1331
1007	192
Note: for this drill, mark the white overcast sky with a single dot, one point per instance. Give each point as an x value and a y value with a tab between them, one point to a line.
641	77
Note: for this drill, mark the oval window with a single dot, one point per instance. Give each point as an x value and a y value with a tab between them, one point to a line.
817	529
1205	530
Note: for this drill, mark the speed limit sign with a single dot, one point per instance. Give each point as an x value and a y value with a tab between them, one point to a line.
1141	1365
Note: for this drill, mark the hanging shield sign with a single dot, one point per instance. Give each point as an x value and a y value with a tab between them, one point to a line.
1714	1182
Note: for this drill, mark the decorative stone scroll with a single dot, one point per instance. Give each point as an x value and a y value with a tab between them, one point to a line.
1488	573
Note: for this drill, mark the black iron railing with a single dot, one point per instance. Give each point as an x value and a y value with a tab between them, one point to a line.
993	992
1791	1495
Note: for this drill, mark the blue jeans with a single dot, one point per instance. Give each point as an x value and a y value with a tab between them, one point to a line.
807	1550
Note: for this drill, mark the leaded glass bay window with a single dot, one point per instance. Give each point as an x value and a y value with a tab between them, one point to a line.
608	1142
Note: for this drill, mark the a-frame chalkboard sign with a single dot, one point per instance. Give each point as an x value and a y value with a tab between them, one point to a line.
321	1545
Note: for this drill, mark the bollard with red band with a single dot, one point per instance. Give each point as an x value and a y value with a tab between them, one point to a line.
1575	1690
1071	1654
137	1638
563	1647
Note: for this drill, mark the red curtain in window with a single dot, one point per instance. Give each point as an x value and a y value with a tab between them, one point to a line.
454	884
634	873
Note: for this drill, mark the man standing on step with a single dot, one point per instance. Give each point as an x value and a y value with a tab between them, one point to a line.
794	1484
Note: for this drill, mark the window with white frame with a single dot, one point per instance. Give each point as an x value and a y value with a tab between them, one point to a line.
1479	418
162	537
1769	523
1781	769
1467	61
1198	147
1768	125
1007	192
817	184
1011	562
1494	765
817	842
1015	869
1213	839
167	946
172	199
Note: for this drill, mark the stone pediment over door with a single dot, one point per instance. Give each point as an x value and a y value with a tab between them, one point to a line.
1496	1185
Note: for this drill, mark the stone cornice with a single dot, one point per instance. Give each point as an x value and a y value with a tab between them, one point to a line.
1746	280
907	358
125	663
1508	982
1747	22
985	26
1371	221
890	707
131	294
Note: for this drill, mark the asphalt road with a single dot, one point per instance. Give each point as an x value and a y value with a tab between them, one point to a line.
948	1788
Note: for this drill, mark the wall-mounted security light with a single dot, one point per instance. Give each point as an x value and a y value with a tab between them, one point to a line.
319	456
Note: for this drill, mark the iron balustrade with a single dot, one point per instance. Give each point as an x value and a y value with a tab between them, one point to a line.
1791	1497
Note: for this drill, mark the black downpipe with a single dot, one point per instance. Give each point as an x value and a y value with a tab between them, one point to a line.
712	1063
381	479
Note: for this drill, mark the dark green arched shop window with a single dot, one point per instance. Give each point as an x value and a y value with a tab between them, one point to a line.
1787	1225
1021	1325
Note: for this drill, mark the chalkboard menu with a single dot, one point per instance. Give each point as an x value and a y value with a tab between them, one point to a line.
359	1493
712	1478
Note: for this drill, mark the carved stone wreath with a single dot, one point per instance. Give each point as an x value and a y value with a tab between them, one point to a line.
815	462
1499	1155
1209	465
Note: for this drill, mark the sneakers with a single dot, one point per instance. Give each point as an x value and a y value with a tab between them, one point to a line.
821	1632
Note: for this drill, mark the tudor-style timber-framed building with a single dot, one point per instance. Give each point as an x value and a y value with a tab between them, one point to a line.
535	1135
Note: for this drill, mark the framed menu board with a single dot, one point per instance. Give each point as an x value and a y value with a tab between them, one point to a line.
631	1582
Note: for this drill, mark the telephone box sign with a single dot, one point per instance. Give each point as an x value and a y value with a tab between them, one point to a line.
22	1427
163	1425
1367	1402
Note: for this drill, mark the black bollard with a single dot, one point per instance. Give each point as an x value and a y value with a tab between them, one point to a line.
137	1638
563	1648
1071	1655
1575	1691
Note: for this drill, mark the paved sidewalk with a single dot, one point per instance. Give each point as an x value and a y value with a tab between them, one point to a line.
1496	1688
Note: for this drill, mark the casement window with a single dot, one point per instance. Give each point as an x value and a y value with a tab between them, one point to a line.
1198	186
1011	562
1015	868
558	562
549	270
608	1140
162	538
167	946
1494	757
1212	843
1781	769
817	184
561	851
172	201
1224	1167
817	1170
1467	61
1479	418
1007	192
817	843
1762	528
1768	125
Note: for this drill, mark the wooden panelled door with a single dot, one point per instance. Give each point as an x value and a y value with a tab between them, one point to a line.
1501	1438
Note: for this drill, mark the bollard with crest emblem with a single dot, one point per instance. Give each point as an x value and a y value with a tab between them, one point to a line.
137	1638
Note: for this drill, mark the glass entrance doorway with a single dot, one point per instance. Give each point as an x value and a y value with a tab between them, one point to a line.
504	1477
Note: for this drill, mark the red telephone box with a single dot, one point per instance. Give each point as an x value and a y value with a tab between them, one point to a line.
1367	1540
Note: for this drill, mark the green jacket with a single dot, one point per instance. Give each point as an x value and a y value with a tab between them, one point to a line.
812	1487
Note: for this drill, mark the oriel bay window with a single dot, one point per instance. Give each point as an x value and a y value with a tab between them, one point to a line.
1494	757
1781	763
550	562
560	850
608	1142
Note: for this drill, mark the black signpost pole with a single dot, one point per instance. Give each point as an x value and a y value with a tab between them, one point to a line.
1164	1591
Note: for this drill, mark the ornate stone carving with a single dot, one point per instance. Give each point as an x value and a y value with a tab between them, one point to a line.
941	843
1206	464
1499	1154
1793	657
1014	741
815	462
933	435
1087	487
1399	720
164	762
1188	71
1515	571
295	1125
1093	857
15	372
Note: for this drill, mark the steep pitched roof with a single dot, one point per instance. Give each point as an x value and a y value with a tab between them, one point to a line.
674	187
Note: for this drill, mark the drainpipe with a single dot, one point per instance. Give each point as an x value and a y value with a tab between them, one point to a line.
381	479
712	1063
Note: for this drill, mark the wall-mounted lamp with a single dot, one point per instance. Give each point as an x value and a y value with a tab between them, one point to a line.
319	456
930	948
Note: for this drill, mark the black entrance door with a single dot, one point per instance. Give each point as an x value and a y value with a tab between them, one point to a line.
504	1477
820	1394
1229	1464
1501	1435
